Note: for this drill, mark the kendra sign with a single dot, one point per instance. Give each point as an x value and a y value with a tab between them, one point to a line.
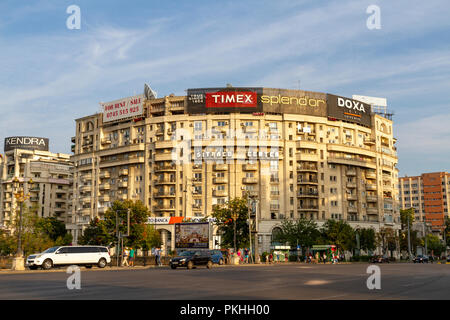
28	143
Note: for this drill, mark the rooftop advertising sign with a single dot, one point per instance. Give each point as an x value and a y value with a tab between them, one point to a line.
28	143
215	100
123	108
341	108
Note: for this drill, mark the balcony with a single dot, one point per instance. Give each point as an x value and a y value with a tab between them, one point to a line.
250	167
106	141
308	208
371	198
220	193
274	207
86	177
105	175
32	199
220	167
307	181
249	180
306	168
352	210
165	194
196	206
219	180
351	185
369	142
371	186
104	198
105	186
352	161
351	172
164	156
85	200
85	188
160	207
371	210
308	194
249	129
371	175
167	167
123	172
122	184
122	196
352	197
302	156
165	180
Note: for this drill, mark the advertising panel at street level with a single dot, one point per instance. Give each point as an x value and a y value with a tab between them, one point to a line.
192	235
27	143
123	108
223	100
341	108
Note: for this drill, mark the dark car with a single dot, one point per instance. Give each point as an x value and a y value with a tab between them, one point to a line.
421	259
191	259
448	258
379	259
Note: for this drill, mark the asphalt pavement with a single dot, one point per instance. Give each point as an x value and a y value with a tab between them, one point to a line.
259	282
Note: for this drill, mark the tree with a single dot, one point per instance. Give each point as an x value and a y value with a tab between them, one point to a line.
387	239
8	245
434	244
415	240
339	233
96	233
447	230
223	215
367	239
104	231
55	229
303	232
404	214
150	238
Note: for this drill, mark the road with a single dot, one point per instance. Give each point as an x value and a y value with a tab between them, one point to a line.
287	282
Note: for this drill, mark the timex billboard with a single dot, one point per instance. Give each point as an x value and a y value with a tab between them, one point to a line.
28	143
341	108
224	100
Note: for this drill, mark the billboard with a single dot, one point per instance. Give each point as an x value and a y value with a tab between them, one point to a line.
256	100
28	143
223	100
123	108
192	235
341	108
294	101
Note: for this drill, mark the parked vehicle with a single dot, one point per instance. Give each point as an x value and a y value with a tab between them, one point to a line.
70	255
191	259
379	259
448	258
217	257
421	259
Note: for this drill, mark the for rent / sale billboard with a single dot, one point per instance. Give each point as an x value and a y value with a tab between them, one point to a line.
192	235
123	108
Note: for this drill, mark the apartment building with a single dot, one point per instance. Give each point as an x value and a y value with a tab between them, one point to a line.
300	153
28	158
428	194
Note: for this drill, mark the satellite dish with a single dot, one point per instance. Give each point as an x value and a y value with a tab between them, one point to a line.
148	92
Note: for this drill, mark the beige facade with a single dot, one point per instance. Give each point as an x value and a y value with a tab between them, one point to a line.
52	184
296	166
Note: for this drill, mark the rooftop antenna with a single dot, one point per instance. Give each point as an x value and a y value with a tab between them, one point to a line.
298	84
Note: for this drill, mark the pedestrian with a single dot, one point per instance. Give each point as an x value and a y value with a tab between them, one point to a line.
125	257
246	255
132	252
324	258
239	255
270	258
158	256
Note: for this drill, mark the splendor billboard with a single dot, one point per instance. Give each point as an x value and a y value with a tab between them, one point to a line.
341	108
192	235
123	108
28	143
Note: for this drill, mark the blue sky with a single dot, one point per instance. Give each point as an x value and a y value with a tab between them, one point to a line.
50	75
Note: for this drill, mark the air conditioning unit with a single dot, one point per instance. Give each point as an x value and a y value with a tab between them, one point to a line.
191	124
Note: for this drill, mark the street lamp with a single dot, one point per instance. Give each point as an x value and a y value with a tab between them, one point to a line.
21	197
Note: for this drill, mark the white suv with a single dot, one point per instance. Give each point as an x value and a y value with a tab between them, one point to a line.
70	255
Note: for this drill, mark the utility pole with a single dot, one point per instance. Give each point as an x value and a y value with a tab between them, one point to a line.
409	241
